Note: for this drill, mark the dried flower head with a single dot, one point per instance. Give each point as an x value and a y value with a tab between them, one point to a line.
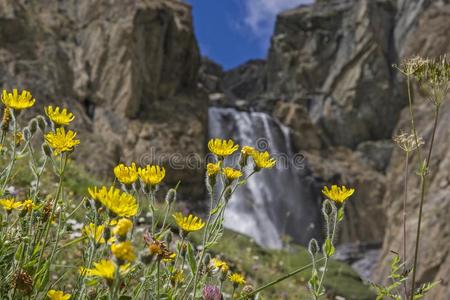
116	201
222	148
61	141
61	117
412	66
434	79
338	193
6	118
18	101
188	223
125	174
407	142
23	281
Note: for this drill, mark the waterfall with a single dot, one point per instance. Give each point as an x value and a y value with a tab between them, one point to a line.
273	203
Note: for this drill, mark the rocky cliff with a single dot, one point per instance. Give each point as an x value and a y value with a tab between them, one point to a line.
329	77
128	68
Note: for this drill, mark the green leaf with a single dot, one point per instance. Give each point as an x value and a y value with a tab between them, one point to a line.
191	258
216	209
328	248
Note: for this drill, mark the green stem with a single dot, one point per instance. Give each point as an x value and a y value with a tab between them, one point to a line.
49	221
13	159
158	267
422	198
405	200
280	279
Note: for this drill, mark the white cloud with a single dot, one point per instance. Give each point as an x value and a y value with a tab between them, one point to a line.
259	15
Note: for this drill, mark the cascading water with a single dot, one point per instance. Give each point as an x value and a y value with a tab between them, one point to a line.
275	202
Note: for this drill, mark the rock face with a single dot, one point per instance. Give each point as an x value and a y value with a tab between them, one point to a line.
128	67
336	57
426	34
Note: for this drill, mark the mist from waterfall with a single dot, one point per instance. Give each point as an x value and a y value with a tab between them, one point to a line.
273	203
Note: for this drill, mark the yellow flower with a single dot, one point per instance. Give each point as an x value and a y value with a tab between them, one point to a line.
10	204
126	175
18	102
58	116
118	202
222	148
105	269
28	205
60	141
123	226
338	194
231	174
123	251
247	150
213	168
58	295
220	265
263	160
152	175
188	223
236	278
177	277
95	232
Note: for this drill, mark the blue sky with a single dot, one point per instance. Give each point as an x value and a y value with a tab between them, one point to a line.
233	31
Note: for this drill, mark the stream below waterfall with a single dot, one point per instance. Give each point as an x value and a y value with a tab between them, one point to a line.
273	203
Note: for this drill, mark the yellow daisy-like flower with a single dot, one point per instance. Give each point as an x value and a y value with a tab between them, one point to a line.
10	204
28	205
231	174
188	223
116	201
236	278
126	175
58	295
263	160
123	227
18	102
213	169
152	175
222	148
61	141
247	150
220	265
58	116
338	194
105	269
95	232
123	251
